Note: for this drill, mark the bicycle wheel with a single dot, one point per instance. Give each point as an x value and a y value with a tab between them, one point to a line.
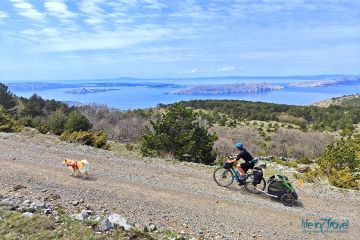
223	177
254	188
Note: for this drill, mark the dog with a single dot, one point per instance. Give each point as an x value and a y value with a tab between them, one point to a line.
81	167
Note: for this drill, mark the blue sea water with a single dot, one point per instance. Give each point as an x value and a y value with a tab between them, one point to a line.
144	97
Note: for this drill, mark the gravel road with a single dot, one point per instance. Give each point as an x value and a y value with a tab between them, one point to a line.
176	196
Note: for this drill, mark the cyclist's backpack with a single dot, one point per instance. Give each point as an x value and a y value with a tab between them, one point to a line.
258	175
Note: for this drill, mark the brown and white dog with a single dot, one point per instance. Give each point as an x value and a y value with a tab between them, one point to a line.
81	167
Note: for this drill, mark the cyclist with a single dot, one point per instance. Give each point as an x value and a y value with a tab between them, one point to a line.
243	167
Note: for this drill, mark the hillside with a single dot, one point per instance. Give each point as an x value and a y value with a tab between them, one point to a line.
173	195
344	101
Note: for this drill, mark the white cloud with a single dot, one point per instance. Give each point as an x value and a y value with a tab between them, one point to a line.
65	40
59	9
26	9
154	4
3	15
93	13
192	71
227	69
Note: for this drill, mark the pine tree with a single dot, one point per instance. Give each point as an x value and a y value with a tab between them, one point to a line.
178	133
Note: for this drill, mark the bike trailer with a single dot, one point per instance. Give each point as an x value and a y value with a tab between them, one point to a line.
280	187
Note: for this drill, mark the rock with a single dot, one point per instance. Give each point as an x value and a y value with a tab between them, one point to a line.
48	211
152	228
83	215
75	203
117	220
200	232
27	214
303	169
39	205
105	226
10	202
25	203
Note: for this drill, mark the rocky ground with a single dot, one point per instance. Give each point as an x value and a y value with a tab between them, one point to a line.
181	197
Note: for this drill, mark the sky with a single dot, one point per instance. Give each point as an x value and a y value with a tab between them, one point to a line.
98	39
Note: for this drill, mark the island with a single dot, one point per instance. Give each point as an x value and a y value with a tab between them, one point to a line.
229	88
326	82
90	90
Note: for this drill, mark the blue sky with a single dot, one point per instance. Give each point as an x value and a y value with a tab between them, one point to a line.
87	39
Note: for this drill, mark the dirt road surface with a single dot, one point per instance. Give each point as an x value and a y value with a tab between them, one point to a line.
172	195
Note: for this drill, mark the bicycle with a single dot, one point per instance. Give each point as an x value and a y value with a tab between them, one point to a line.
224	176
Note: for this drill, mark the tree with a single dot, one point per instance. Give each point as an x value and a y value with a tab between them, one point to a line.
177	132
76	122
7	124
33	106
6	97
56	121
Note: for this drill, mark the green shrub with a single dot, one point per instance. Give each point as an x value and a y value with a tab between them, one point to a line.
304	160
96	139
344	178
313	175
177	133
340	164
56	122
8	124
285	163
76	122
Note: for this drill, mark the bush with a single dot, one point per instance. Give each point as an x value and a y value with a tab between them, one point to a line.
56	122
76	122
285	163
340	164
7	99
179	134
313	175
96	139
344	178
8	124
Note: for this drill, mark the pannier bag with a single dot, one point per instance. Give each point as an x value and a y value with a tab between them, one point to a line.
258	175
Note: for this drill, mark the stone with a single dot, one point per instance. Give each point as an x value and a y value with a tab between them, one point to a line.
10	202
75	203
83	215
200	232
27	214
303	169
118	220
152	228
105	226
48	211
39	205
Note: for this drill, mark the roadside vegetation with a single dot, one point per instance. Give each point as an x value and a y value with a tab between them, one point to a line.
15	226
204	131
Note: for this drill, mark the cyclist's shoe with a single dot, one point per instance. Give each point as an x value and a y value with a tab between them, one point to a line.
240	180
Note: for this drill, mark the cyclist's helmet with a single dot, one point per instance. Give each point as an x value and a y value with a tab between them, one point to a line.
239	146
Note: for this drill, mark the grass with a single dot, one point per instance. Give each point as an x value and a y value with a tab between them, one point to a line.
14	226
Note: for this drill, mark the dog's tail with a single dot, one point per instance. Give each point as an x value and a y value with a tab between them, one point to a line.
86	166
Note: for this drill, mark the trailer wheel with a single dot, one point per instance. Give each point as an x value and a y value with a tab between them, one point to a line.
288	199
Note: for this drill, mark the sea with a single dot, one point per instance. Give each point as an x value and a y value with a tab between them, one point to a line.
137	97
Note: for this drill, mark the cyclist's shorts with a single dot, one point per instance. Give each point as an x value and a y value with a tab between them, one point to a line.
247	165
